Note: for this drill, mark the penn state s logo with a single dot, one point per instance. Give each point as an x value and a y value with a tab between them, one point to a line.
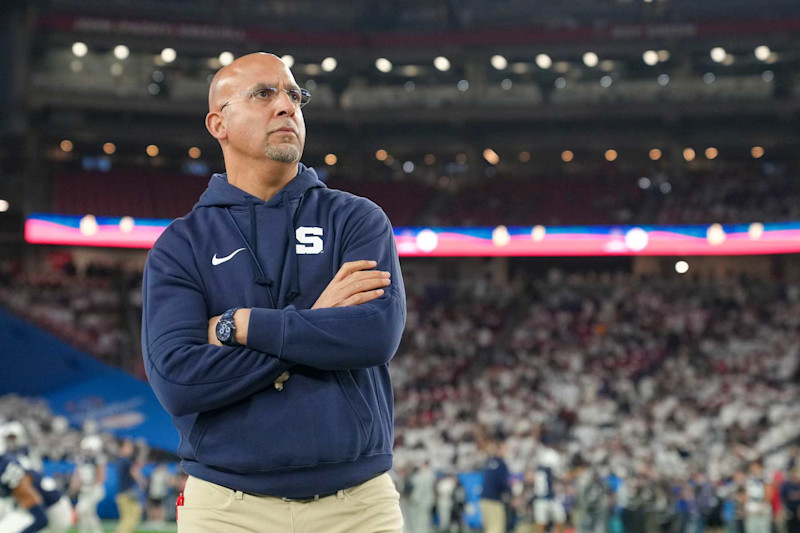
310	239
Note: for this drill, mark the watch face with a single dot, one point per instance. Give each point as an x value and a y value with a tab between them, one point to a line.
223	331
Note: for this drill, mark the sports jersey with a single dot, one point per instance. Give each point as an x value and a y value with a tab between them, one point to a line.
11	474
543	483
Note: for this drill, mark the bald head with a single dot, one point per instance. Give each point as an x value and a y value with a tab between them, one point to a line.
228	80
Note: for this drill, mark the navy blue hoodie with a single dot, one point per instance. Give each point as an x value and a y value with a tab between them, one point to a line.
331	426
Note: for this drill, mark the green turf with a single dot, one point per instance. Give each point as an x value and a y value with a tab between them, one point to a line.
110	527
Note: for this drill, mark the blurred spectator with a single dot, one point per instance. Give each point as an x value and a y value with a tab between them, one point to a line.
496	489
422	499
129	481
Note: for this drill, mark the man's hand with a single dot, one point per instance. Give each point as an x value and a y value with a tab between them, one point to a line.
353	284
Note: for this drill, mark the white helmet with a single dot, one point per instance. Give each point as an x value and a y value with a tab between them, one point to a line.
14	430
549	457
92	444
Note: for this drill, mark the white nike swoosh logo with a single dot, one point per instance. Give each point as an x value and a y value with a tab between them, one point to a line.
219	260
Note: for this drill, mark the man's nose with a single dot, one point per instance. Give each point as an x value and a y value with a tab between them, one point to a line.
284	105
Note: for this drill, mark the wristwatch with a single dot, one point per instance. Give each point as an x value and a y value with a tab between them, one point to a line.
226	328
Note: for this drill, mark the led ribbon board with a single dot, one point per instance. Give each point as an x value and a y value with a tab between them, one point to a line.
520	241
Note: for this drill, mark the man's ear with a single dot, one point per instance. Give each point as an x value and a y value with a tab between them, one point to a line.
216	125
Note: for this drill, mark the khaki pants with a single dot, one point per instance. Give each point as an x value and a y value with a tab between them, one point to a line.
494	516
130	511
371	507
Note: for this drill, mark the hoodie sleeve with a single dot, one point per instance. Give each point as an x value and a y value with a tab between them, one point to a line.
187	374
340	338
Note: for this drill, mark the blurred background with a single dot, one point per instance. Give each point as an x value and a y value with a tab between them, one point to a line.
627	389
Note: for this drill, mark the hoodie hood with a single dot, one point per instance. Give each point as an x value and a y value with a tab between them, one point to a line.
221	193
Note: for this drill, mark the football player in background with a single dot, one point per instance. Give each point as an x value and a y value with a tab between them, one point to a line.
89	482
547	507
38	505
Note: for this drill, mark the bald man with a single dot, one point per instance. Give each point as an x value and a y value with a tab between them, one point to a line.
271	312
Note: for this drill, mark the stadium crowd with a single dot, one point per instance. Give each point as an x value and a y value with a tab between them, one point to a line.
659	403
663	400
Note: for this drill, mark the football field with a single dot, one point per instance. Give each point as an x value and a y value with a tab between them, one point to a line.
109	526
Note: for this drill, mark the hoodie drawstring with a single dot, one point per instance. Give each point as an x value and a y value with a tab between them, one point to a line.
261	279
252	247
294	289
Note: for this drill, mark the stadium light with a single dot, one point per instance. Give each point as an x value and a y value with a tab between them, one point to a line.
718	54
331	159
288	60
650	57
225	58
590	59
681	267
655	154
152	150
520	68
499	62
500	236
4	205
544	61
567	156
383	65
66	145
757	152
491	156
762	52
109	148
381	155
126	224
329	64
715	234
611	155
88	225
711	152
408	167
80	49
168	55
121	52
755	231
195	152
441	63
689	154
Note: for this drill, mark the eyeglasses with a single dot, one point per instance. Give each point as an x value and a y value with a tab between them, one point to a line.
267	95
